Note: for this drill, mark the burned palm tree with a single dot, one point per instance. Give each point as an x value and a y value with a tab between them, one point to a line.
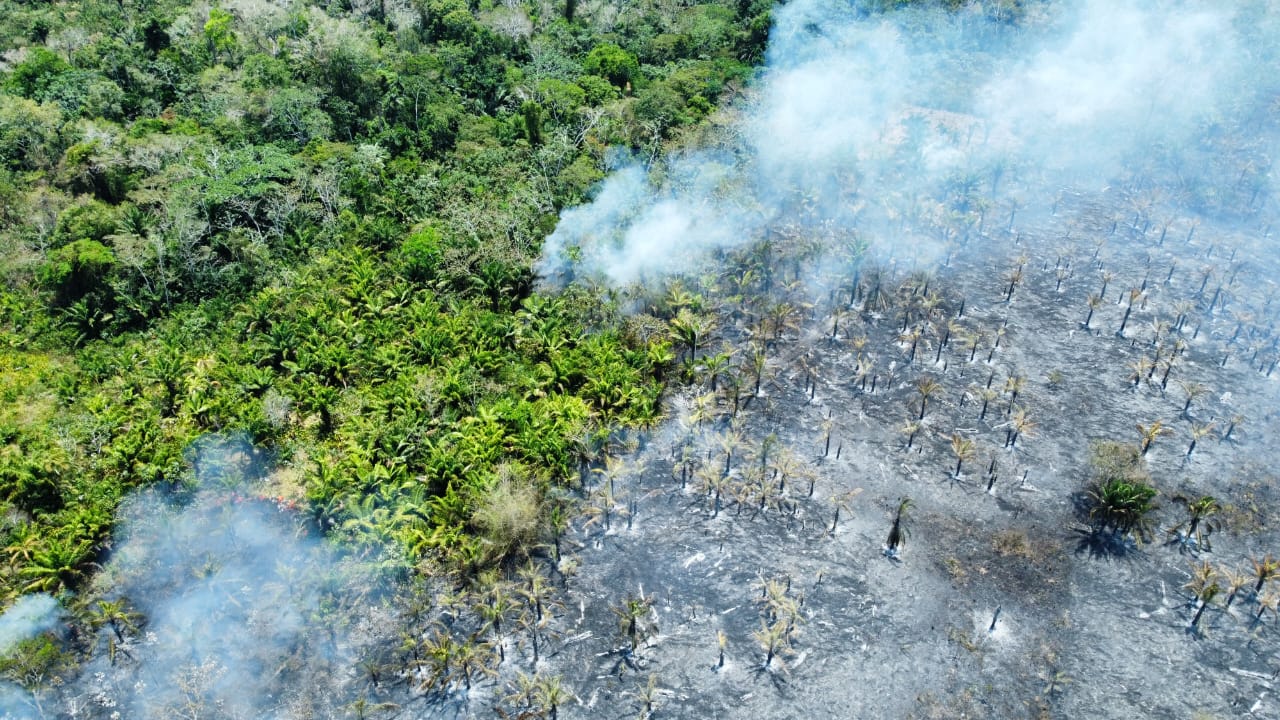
1107	277
631	613
927	387
647	696
1204	588
1013	277
1264	569
775	640
1150	432
1094	302
1138	369
1194	532
963	449
827	426
1235	582
1021	424
550	693
1134	294
898	531
1013	385
970	341
1231	427
1192	391
758	363
1198	431
843	501
910	428
986	395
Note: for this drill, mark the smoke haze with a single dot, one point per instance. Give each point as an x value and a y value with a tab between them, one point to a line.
885	124
232	609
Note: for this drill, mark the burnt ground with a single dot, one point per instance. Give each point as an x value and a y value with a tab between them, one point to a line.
1084	629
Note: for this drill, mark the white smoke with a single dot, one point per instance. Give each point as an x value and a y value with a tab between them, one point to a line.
232	608
859	113
27	618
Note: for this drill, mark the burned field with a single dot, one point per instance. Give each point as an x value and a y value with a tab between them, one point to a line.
933	374
1004	401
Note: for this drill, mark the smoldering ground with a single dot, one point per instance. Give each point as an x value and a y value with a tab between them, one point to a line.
888	126
926	137
216	602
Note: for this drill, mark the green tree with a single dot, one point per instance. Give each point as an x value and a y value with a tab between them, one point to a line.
219	37
612	63
78	269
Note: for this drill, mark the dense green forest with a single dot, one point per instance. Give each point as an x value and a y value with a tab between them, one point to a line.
312	226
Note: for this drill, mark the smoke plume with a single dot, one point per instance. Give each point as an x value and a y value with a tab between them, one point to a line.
892	125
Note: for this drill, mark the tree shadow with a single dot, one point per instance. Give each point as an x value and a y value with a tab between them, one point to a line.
1098	539
776	677
1105	543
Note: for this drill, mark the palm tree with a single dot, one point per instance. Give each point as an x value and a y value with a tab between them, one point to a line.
963	448
57	566
1094	302
169	369
1194	532
1198	430
1134	294
986	395
714	366
648	696
1150	432
439	652
494	610
1264	569
1013	385
774	639
910	429
1122	506
704	408
1020	425
116	615
842	501
688	329
602	504
927	387
550	693
1191	390
1236	581
1203	587
897	532
631	611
